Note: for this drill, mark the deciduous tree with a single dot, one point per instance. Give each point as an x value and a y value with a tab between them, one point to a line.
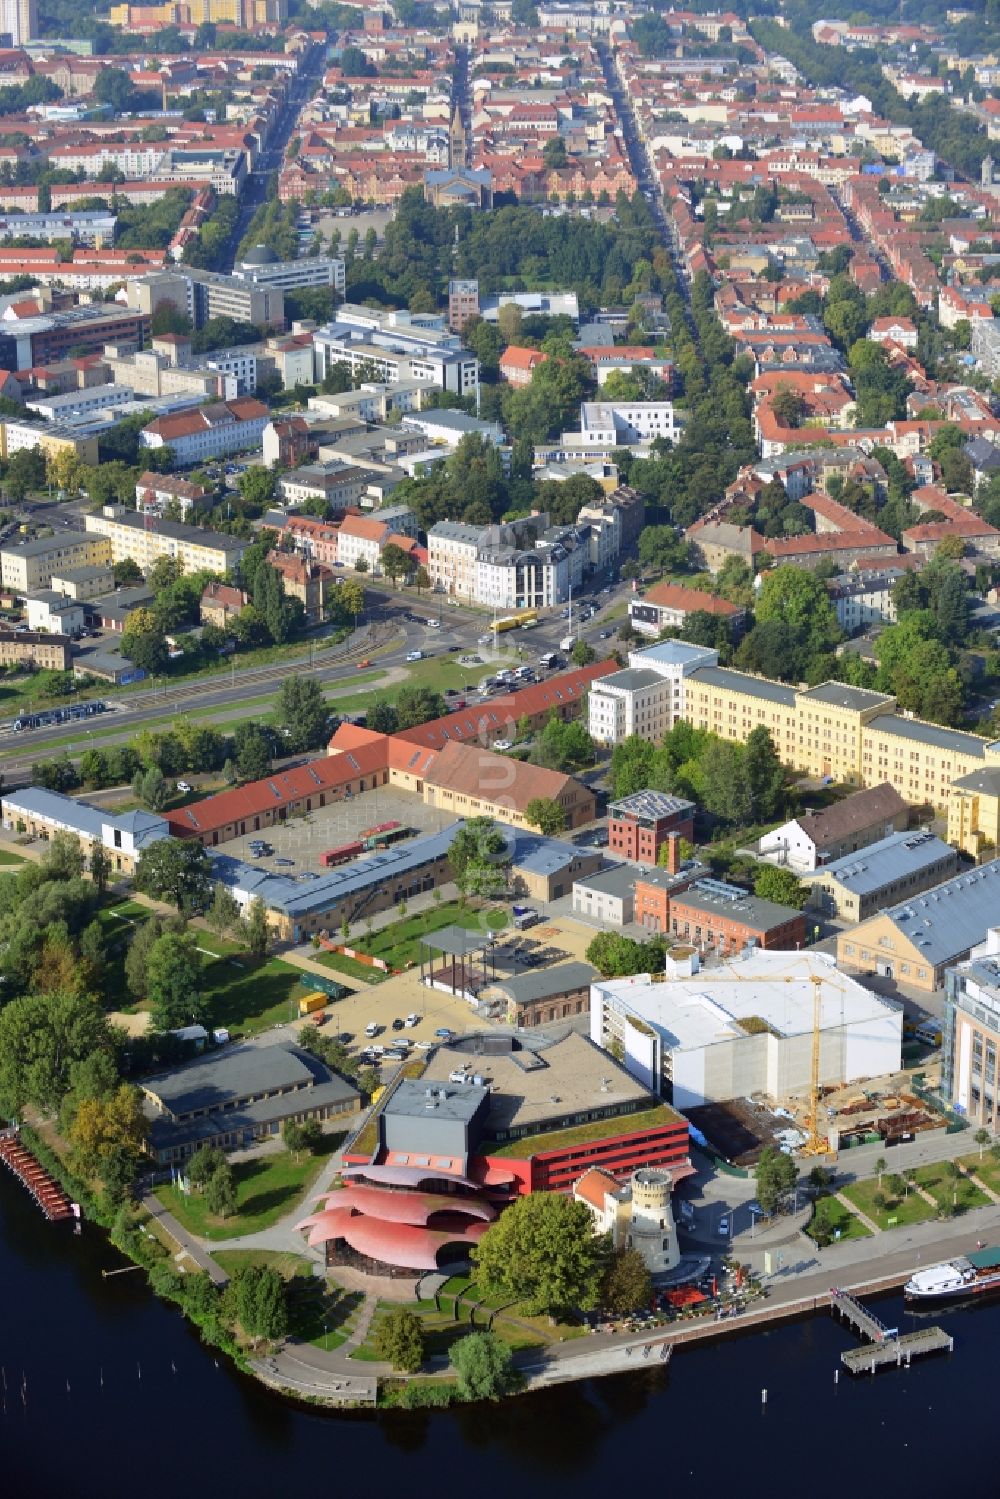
399	1339
542	1250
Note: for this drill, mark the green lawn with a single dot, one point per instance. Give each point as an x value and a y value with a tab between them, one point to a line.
441	1330
250	994
910	1208
399	943
266	1188
350	968
580	1134
833	1216
8	857
987	1169
946	1190
319	1312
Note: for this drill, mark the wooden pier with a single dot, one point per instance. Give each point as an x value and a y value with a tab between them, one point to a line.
44	1188
883	1348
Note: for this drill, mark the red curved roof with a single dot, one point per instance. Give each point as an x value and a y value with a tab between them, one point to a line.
490	1175
404	1245
404	1207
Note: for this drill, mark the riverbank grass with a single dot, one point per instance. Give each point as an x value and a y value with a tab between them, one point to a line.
319	1311
266	1188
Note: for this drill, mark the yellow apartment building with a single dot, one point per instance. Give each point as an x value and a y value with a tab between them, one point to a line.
145	541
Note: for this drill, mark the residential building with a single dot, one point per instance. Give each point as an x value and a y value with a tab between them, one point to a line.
156	494
971	1034
314	538
918	939
668	606
647	697
339	484
367	536
131	536
855	886
463	303
308	581
974	810
395	346
856	821
239	1095
864	597
29	567
36	652
221	603
717	917
517	365
745	1026
52	613
209	432
640	825
123	835
548	995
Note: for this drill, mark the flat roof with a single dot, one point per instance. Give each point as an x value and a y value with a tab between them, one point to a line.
742	682
617	880
716	898
42	545
531	1088
777	987
930	733
840	696
677	653
415	1099
881	863
631	678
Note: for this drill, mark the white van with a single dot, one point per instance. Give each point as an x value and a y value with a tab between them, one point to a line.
371	1029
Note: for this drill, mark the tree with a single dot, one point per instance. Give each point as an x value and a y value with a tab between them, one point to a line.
416	705
776	1175
542	1251
143	939
788	406
103	1126
615	956
982	1139
220	1193
223	915
252	749
479	858
544	813
173	983
150	788
780	885
395	562
626	1286
583	653
302	711
177	870
881	1167
63	859
258	932
421	579
765	774
41	1038
399	1339
482	1362
258	1299
100	867
146	649
204	1164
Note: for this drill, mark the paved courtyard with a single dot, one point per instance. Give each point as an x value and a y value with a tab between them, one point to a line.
304	839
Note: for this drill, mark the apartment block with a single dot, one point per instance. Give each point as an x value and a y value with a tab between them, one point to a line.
130	535
29	567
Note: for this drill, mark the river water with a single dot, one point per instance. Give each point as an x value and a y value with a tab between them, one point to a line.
105	1391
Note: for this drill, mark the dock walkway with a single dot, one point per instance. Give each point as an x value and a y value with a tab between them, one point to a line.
43	1187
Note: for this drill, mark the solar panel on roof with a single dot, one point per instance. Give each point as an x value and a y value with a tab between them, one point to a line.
413	760
314	775
352	761
275	789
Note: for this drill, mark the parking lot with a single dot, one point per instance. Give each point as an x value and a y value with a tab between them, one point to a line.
304	839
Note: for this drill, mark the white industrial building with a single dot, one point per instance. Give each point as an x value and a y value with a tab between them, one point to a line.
745	1026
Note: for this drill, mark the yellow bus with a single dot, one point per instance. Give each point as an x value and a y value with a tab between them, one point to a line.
523	621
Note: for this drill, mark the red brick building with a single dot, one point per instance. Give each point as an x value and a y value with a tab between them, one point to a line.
716	917
640	825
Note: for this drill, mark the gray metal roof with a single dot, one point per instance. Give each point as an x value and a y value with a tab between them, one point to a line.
630	679
43	545
987	780
880	864
652	804
945	923
80	817
618	880
457	941
238	1075
459	1102
166	1133
840	696
738	681
930	733
750	909
526	988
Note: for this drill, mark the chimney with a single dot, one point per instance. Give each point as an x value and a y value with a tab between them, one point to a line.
673	853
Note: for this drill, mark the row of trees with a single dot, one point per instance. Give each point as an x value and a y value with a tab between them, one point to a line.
738	784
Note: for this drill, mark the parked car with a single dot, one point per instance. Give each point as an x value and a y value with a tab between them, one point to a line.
414	655
502	744
398	1024
434	624
443	1034
723	1229
372	1028
184	786
285	863
412	1019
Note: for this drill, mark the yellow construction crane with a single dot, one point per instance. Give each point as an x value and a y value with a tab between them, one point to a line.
816	1144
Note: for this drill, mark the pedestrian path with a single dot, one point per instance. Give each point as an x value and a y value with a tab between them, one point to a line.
190	1246
852	1207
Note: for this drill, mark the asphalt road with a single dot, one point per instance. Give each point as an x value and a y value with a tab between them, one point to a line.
460	633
